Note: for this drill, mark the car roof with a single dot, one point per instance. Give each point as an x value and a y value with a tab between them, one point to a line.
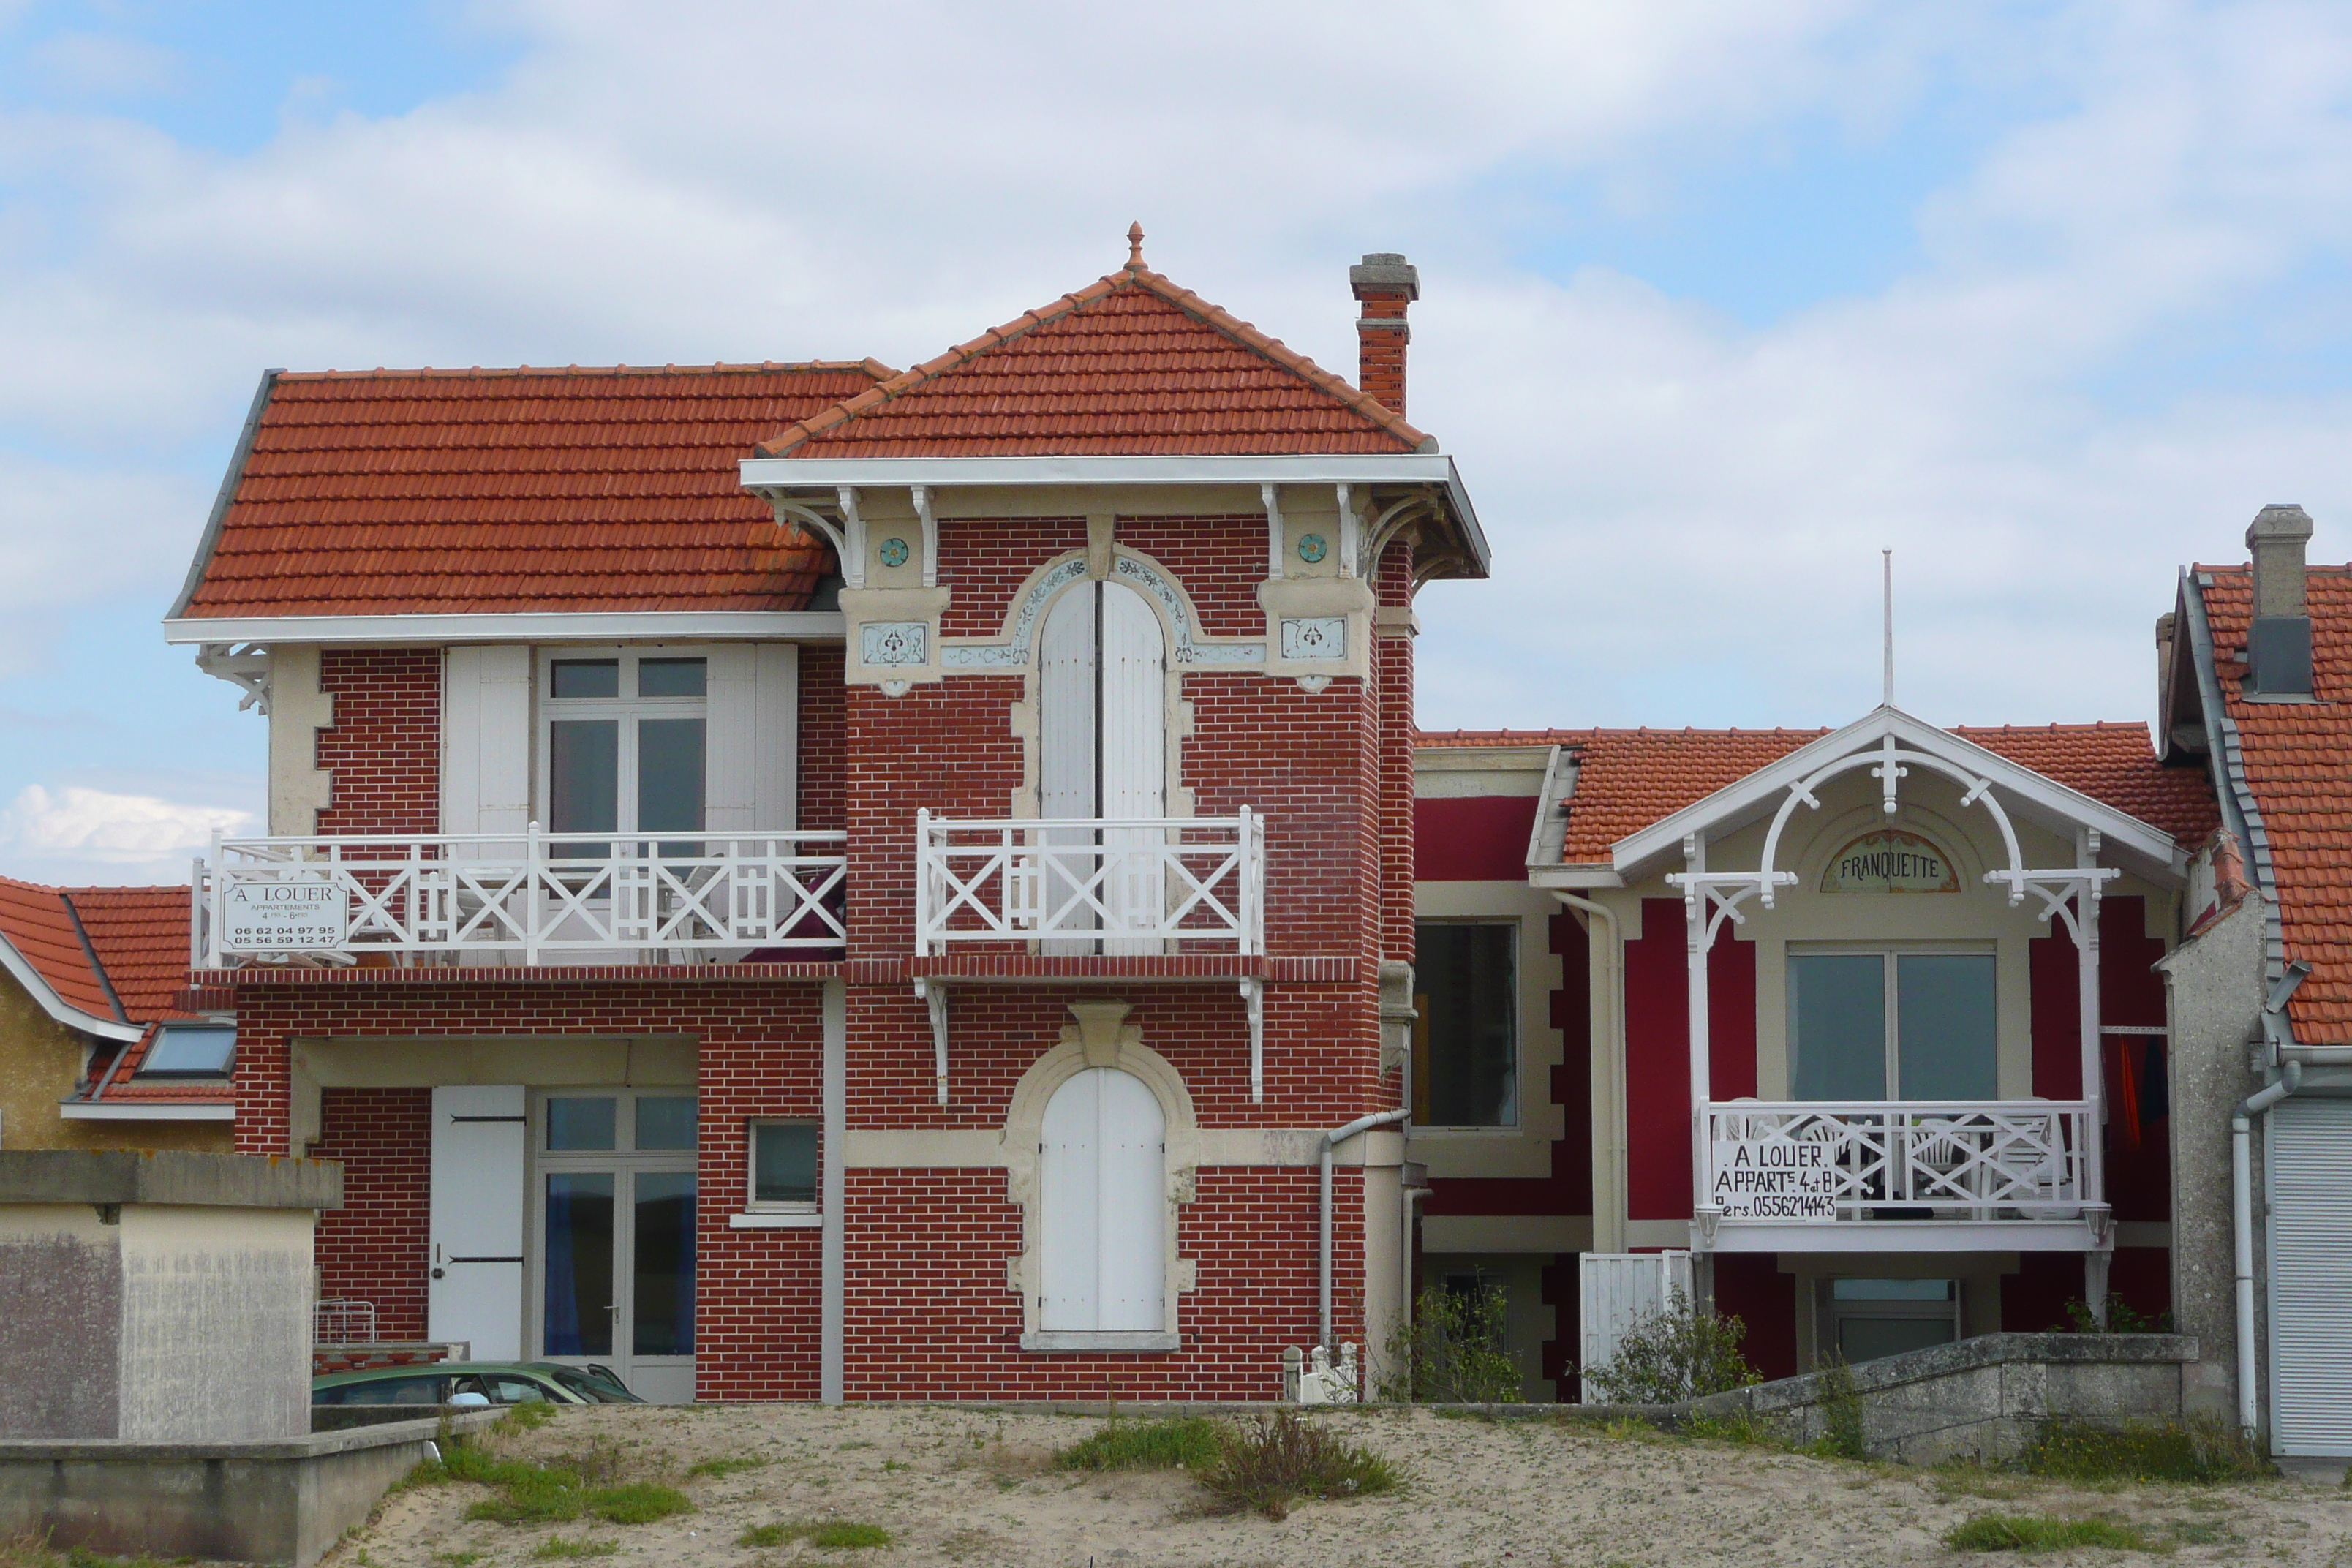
429	1369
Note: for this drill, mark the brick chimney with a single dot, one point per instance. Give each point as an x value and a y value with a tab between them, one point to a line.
1387	285
2278	643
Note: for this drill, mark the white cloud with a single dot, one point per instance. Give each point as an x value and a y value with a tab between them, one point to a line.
55	834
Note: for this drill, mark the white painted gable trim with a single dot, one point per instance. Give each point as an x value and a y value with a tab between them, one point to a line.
2039	799
56	1006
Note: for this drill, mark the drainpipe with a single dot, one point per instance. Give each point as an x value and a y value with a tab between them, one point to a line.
1336	1136
832	1240
2241	1213
1612	1042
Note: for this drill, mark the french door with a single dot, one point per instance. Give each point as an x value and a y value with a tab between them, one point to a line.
1102	759
613	1202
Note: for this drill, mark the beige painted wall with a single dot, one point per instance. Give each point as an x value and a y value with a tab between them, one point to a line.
40	1062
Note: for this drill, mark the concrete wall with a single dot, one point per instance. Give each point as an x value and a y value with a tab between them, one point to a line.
2215	985
1982	1398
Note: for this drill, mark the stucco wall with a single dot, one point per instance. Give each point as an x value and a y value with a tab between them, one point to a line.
2216	986
40	1062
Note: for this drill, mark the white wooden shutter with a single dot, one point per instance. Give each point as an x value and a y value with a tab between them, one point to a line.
1134	727
753	758
2311	1277
1065	703
1616	1291
476	1209
485	740
1100	1177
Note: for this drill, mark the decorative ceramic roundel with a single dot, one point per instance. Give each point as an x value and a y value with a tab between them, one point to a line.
894	552
1311	547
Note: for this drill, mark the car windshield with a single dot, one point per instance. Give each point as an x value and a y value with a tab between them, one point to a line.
588	1386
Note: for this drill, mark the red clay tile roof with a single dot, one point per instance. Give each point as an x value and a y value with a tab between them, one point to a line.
1132	364
457	492
140	936
2298	761
33	921
1628	779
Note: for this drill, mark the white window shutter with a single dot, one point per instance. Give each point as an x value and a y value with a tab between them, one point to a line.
1101	1179
1134	727
475	1208
1066	703
485	740
754	717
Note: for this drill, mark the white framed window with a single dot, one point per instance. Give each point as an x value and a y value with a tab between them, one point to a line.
622	741
782	1168
1911	1022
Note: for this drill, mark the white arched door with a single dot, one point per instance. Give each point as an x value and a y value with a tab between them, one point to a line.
1102	1216
1102	755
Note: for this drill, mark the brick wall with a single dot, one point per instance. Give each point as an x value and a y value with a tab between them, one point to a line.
375	1248
385	750
824	740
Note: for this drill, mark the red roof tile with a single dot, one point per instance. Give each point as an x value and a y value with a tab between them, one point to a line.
1129	365
141	938
2298	761
34	920
1628	779
454	492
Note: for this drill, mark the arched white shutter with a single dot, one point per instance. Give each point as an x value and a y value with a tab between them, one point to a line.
1133	763
1100	1178
1066	762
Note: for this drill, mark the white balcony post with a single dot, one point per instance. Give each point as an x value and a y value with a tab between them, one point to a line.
1252	906
1696	923
199	891
2086	927
216	907
535	869
924	871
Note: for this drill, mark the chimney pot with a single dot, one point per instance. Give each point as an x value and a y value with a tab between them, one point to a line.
1387	285
2278	642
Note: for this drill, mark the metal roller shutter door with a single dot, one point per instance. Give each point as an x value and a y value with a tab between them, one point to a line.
2311	1277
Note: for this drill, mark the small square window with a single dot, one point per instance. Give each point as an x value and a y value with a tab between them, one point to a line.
783	1164
670	677
585	677
581	1123
665	1122
184	1050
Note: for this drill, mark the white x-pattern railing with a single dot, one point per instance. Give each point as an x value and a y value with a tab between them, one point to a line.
610	897
1961	1159
1131	886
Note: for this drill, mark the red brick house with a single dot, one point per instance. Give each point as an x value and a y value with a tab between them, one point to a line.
799	881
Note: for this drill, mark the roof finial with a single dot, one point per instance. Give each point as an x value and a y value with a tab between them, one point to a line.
1135	246
1887	612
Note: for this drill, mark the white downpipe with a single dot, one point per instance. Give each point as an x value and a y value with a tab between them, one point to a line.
2242	1216
832	1240
1336	1136
1612	1042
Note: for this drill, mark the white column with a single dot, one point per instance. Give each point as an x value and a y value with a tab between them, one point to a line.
2086	912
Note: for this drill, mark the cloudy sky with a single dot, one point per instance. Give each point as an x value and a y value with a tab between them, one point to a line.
1718	300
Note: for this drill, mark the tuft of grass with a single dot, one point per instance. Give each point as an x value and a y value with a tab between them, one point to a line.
637	1502
2198	1450
2042	1532
826	1535
555	1546
1740	1426
733	1465
457	1558
1178	1442
526	1417
1278	1460
1841	1435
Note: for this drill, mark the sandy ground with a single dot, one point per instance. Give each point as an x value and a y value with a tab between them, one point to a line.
976	1487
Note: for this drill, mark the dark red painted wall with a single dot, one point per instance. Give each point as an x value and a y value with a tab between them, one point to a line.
1475	838
2138	1141
1657	1052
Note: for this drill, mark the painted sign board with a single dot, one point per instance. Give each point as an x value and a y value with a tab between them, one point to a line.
1773	1178
293	911
1891	861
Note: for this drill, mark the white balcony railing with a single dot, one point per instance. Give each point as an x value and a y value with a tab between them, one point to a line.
526	897
1193	884
1871	1160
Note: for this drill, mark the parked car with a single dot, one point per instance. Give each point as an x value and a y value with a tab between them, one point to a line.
471	1382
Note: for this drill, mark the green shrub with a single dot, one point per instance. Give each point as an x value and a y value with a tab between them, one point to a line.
1679	1352
1276	1459
637	1502
2198	1448
1453	1353
2122	1319
555	1546
1180	1442
731	1466
1840	1414
828	1535
2042	1532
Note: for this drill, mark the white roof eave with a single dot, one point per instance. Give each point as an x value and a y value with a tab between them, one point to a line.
2036	798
